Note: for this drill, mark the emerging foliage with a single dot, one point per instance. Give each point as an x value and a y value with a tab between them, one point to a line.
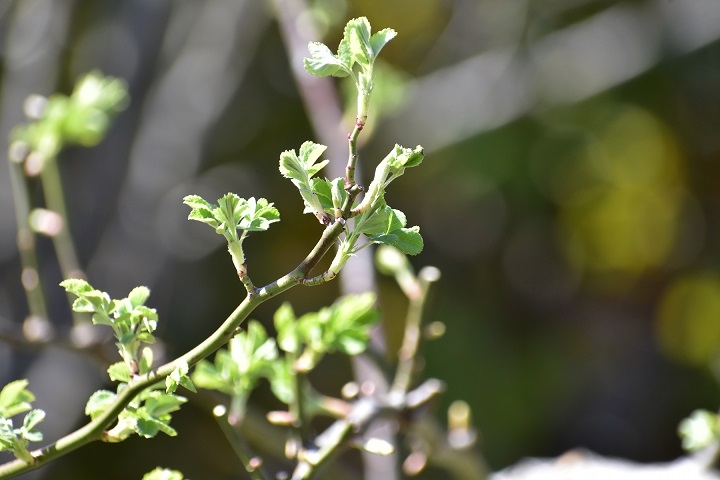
300	169
132	322
252	355
82	118
355	57
147	414
145	395
233	214
343	327
15	398
237	370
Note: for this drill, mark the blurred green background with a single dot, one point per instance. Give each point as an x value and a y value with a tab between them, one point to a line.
569	195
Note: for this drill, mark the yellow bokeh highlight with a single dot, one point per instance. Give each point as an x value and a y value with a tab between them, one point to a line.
688	319
623	196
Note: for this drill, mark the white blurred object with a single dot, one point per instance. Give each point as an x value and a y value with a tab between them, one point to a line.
584	465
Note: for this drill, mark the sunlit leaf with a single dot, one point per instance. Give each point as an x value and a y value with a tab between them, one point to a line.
15	398
357	31
119	372
32	419
407	240
286	326
380	39
323	63
99	402
300	170
138	296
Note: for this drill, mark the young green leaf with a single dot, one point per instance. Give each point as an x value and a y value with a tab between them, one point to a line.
405	157
150	414
233	213
357	31
207	376
253	351
377	222
323	191
257	215
98	403
338	195
179	377
281	382
343	53
90	301
236	371
82	118
15	398
201	210
323	63
352	317
344	326
8	438
390	168
76	286
146	361
300	168
229	214
138	296
380	39
17	439
286	326
119	372
160	404
149	427
407	240
31	420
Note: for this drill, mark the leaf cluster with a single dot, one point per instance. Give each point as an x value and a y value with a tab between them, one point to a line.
82	118
233	214
147	414
236	371
375	220
342	327
300	169
15	398
355	56
253	355
132	322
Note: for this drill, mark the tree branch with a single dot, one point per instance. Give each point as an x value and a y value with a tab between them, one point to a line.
95	429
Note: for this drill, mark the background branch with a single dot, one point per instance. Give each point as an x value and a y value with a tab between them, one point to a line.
325	112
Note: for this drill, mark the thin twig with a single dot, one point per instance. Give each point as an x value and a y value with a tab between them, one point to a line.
252	463
407	355
55	201
297	406
329	443
62	240
325	113
30	277
94	430
353	153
